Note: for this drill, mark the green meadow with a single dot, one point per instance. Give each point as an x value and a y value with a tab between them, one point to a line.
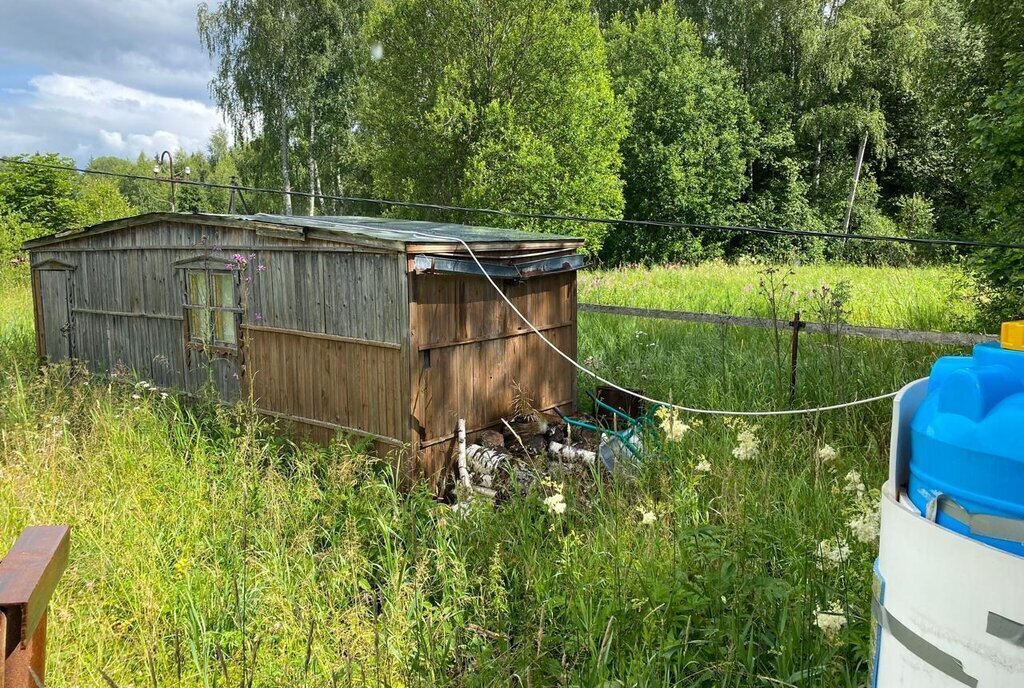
922	298
209	552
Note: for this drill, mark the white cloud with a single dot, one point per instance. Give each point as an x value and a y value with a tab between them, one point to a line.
89	116
96	77
147	44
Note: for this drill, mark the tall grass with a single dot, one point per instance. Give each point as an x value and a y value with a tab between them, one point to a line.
208	552
924	298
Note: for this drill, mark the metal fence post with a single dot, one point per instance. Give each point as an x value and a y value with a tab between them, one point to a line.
797	325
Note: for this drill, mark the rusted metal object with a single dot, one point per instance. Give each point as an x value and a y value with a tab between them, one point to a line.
28	576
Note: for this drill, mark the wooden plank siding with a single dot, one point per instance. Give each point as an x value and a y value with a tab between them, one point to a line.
351	386
471	351
129	319
334	336
450	309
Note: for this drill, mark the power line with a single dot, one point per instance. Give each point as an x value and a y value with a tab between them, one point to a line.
665	224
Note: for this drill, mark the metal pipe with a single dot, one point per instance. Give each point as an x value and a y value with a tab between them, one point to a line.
158	169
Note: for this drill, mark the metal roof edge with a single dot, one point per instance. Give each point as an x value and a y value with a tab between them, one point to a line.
343	229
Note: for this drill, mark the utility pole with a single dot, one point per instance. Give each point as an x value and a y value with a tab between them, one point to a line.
856	179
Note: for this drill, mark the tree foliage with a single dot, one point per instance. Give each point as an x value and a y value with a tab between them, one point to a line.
42	196
282	66
690	137
999	142
502	103
39	200
901	114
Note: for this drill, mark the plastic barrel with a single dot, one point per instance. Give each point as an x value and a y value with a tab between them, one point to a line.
967	447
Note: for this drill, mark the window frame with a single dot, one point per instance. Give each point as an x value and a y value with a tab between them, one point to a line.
195	340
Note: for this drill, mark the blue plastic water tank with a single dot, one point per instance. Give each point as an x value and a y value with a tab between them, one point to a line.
967	439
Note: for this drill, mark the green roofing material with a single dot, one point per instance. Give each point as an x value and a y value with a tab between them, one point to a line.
409	231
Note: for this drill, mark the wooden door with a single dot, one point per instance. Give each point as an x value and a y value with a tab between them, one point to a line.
55	296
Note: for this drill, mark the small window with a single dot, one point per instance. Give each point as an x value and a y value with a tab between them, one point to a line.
211	304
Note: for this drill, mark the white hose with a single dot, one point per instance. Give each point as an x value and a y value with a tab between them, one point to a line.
591	373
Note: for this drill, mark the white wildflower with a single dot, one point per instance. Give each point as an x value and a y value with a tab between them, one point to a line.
671	423
833	552
864	518
746	443
830	620
555	503
826	453
703	465
854	484
648	518
136	396
864	526
676	431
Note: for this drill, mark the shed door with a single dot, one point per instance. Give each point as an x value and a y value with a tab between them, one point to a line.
57	323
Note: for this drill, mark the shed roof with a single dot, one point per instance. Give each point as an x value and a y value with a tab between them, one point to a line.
383	229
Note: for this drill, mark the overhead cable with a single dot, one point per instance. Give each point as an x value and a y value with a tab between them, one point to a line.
664	224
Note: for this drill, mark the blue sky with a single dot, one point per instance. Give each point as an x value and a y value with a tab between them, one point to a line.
102	77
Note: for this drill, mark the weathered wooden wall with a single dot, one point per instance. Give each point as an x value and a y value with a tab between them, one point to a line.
335	336
330	348
323	331
471	352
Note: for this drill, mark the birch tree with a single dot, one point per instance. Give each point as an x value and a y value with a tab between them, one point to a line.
285	74
249	41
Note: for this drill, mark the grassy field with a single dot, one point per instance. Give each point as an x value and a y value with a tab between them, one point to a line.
930	298
207	552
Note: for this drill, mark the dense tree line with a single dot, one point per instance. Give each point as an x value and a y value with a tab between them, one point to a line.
890	117
40	200
767	112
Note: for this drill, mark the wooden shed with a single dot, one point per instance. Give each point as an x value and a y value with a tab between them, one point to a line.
378	327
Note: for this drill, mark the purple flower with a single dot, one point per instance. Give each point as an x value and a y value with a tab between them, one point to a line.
259	317
261	267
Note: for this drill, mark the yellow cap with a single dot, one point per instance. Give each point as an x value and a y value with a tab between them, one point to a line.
1012	335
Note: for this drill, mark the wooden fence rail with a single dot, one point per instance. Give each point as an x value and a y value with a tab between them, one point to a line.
28	576
900	335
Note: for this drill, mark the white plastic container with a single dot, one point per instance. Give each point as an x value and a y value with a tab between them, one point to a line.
949	610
